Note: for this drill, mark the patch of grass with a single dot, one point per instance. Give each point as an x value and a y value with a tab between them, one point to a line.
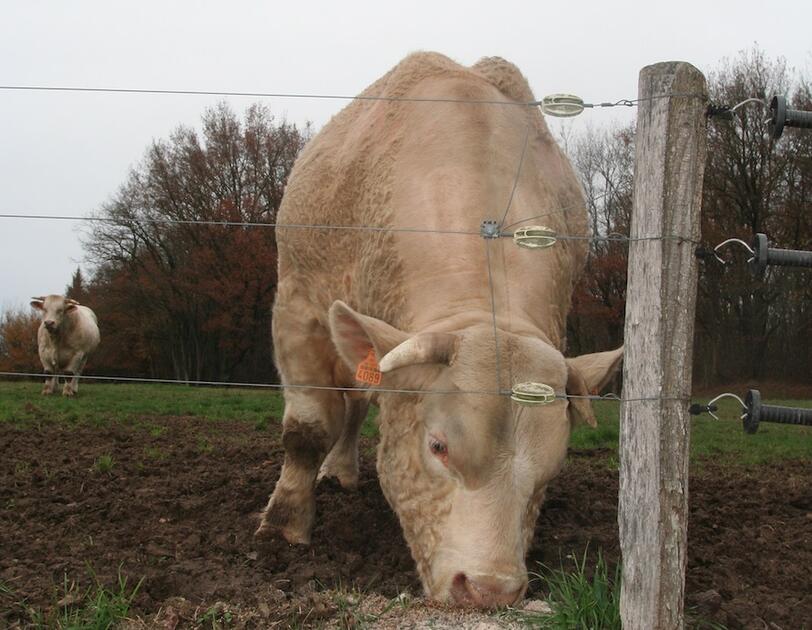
155	453
101	403
370	427
723	439
578	600
203	445
104	463
215	617
97	608
156	431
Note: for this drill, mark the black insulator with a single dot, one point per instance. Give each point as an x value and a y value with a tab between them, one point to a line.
783	117
722	112
696	409
765	255
703	253
756	412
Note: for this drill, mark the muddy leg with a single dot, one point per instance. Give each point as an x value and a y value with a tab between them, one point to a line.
50	383
307	438
342	461
73	370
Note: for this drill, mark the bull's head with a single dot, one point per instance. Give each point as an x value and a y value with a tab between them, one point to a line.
466	473
53	308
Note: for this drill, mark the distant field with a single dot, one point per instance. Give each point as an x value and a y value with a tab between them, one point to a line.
722	440
102	403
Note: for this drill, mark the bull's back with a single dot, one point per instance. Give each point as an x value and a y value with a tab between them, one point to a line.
425	166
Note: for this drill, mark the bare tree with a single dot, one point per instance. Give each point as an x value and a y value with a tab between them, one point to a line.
194	299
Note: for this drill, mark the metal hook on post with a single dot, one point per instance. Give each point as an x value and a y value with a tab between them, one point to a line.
711	408
733	240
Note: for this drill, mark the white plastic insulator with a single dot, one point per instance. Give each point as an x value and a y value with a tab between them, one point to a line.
534	237
562	105
532	394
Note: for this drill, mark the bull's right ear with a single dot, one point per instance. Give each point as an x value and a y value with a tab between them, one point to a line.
354	335
38	303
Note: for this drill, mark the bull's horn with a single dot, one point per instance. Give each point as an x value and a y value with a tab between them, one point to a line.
70	301
422	348
38	299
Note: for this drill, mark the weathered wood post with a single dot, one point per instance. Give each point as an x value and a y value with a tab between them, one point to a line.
661	296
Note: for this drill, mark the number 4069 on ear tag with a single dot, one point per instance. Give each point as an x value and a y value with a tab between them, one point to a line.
368	370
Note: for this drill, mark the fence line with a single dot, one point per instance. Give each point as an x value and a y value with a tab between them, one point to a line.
610	396
611	237
624	102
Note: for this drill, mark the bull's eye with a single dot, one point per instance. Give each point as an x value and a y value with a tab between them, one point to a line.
439	449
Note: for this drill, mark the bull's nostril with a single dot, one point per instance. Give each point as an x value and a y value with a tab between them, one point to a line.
493	592
459	590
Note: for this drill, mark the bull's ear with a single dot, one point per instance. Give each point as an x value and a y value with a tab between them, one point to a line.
38	303
70	304
586	375
354	335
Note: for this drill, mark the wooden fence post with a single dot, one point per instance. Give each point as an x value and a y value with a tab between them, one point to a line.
660	302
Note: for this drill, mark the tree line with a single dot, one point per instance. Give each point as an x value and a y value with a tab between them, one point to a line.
748	327
188	301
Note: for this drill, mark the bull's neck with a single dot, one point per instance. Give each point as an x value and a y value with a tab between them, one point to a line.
478	315
67	326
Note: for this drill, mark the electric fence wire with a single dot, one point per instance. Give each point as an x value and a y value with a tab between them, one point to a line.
612	237
282	386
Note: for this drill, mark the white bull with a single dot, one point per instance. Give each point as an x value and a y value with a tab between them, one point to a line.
68	334
464	467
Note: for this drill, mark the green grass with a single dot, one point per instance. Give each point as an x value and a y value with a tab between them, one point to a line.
579	600
97	608
104	464
22	403
101	403
722	439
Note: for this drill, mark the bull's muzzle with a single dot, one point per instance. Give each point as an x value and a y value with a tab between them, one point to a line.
484	591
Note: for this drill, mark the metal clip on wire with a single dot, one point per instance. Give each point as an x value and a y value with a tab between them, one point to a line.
532	394
534	237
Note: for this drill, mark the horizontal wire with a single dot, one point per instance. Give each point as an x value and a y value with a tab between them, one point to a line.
340	97
167	381
295	226
299	226
279	386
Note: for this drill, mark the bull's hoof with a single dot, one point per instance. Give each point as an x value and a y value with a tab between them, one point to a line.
347	475
282	519
68	392
47	392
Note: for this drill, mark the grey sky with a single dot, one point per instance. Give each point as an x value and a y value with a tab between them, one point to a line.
66	153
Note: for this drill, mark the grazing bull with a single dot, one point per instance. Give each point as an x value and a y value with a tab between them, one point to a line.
464	467
68	334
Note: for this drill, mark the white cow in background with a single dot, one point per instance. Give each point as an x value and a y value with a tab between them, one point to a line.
69	332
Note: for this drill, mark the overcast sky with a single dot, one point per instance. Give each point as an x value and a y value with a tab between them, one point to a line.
66	153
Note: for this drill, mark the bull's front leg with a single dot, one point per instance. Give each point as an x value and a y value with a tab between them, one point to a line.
50	382
311	426
342	460
73	371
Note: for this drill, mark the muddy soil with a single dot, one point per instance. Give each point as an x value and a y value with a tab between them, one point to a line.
180	502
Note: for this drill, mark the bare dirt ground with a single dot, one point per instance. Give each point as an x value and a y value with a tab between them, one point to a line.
179	506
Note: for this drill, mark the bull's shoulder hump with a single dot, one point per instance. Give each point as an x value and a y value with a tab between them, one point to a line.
88	312
506	77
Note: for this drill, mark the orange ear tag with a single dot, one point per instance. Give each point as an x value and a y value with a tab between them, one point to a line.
368	370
